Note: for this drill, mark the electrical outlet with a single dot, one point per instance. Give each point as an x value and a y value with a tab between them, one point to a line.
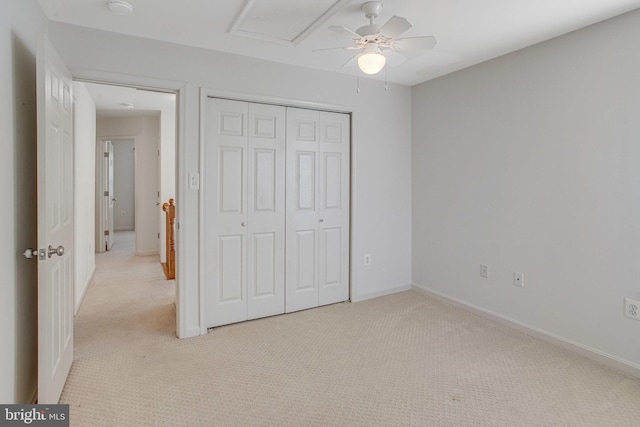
632	308
367	259
518	279
484	271
194	181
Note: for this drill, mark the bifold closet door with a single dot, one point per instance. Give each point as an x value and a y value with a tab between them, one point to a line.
317	226
244	209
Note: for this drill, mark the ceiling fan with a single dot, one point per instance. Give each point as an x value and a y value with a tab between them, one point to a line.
378	43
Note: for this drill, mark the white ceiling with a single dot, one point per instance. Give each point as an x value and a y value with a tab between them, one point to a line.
467	31
109	101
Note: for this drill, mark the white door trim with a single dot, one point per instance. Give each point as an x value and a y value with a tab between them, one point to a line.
183	330
286	102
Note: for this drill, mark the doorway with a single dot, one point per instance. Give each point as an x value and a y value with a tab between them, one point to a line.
133	169
115	190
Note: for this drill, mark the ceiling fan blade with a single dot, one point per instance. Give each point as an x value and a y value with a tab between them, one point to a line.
393	58
414	43
346	32
394	27
337	48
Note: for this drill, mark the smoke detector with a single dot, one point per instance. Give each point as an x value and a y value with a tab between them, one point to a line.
120	7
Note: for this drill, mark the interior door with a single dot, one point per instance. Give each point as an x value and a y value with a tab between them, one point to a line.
266	210
225	200
244	190
303	151
333	280
55	223
318	149
110	197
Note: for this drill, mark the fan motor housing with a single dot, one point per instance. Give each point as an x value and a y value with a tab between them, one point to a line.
372	9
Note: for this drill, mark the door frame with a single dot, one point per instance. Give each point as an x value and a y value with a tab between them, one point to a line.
103	139
206	93
180	90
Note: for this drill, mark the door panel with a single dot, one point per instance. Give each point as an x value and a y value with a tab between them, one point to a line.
306	182
55	223
317	208
264	280
225	192
244	209
333	182
334	208
264	183
230	268
232	185
302	215
331	260
305	252
266	210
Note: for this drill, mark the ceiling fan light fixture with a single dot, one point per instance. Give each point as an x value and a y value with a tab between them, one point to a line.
120	7
371	61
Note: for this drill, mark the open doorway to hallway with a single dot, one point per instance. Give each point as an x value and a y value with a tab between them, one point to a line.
125	171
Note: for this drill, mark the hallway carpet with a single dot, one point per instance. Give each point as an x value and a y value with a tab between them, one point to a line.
399	360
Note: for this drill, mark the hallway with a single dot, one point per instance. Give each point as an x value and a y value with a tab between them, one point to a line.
128	303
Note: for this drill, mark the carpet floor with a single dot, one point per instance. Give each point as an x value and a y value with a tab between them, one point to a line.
400	360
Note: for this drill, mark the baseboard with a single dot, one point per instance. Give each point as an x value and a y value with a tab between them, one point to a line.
84	290
191	333
625	366
357	298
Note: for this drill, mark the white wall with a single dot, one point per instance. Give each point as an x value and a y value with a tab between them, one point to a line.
21	23
530	163
85	190
381	144
145	131
124	166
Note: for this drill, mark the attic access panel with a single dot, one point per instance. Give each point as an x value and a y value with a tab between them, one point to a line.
286	22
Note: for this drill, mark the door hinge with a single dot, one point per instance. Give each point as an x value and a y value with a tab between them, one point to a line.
158	235
106	154
106	194
106	232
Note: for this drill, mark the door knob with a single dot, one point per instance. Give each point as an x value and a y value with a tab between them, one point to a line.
244	224
55	251
321	220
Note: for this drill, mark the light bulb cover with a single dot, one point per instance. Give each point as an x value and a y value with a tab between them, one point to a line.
371	62
120	7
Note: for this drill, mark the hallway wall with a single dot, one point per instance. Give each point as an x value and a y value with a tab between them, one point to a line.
85	190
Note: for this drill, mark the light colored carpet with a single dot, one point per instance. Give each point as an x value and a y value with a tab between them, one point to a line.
404	359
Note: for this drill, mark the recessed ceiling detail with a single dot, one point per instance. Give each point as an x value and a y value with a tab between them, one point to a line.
286	22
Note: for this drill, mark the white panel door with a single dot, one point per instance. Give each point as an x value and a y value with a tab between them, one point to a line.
225	207
318	146
55	223
333	233
266	210
244	189
303	151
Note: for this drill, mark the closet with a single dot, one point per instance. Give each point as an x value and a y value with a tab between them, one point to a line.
275	184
